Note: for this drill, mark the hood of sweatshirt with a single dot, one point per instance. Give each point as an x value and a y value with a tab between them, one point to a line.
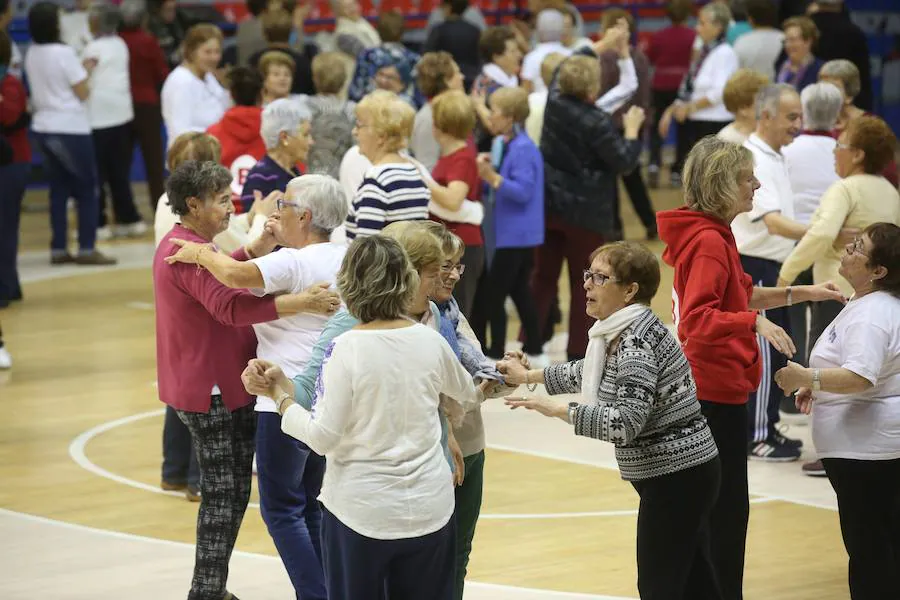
679	230
241	123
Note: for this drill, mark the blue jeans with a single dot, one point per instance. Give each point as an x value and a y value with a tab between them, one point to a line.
289	475
13	179
72	173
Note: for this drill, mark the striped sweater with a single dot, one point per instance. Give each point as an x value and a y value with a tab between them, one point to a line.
388	193
647	404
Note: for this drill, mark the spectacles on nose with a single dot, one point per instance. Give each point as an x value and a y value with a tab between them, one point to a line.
843	146
459	268
858	247
598	279
282	204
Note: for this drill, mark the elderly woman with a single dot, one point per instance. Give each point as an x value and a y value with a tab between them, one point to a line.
277	70
801	67
388	66
192	97
583	156
502	62
285	133
851	391
393	188
403	543
739	97
637	392
436	73
715	307
203	340
289	474
699	107
329	76
148	70
845	76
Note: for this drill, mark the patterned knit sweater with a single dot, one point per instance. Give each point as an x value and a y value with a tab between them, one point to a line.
647	404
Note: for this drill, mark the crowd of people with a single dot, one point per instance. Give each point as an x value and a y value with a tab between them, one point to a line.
343	222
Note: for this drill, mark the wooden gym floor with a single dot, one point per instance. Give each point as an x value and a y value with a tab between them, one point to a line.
81	516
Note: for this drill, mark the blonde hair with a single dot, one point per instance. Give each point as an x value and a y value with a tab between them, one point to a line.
579	76
329	72
273	58
451	244
711	173
549	65
193	145
512	102
392	118
422	245
742	88
453	114
376	279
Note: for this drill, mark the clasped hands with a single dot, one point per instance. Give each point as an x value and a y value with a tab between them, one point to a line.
515	367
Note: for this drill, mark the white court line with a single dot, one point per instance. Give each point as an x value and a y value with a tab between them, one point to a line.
79	444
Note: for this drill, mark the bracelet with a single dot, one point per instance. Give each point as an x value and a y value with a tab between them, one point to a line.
280	402
790	298
528	385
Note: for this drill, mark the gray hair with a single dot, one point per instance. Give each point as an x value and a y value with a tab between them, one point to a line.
133	12
283	114
195	179
822	104
719	14
768	98
106	17
550	25
376	279
845	72
323	196
332	134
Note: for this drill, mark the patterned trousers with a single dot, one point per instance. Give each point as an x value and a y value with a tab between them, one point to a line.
225	443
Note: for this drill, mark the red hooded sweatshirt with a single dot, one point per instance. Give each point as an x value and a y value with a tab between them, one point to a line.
238	132
711	305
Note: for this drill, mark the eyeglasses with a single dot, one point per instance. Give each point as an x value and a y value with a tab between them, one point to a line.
458	267
280	204
858	247
599	279
843	146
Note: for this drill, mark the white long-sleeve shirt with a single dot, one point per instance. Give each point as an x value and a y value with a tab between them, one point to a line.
377	424
190	103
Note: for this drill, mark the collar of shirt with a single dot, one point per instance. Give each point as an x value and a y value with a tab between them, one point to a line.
758	143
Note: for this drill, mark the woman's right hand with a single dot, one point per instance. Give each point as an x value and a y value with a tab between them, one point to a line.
320	299
632	121
514	372
775	335
803	400
665	122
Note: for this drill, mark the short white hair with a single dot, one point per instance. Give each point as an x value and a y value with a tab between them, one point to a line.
323	196
550	25
769	98
283	114
822	103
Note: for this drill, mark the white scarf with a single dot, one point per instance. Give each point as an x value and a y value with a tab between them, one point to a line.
499	75
601	334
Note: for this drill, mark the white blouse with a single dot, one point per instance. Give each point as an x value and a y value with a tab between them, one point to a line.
190	103
710	82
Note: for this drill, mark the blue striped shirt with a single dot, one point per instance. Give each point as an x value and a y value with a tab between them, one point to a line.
388	193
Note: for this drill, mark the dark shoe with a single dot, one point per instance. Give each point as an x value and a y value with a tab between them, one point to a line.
192	493
783	440
653	177
771	451
652	235
62	259
172	486
814	469
95	258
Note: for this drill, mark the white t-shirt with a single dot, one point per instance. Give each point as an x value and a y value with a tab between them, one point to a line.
190	103
865	339
710	82
759	49
774	195
730	133
531	64
52	70
810	164
74	30
109	104
377	425
289	341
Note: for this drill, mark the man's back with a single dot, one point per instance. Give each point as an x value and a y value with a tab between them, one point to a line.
460	38
841	38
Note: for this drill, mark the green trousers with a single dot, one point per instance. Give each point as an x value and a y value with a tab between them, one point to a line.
468	507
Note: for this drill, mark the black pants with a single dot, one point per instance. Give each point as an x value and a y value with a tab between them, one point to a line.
764	404
661	99
689	133
225	443
731	513
799	320
640	200
868	495
147	133
362	568
509	275
473	259
673	539
179	464
821	316
13	179
113	151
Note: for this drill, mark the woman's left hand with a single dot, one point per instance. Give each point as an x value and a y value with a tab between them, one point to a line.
459	472
826	291
804	400
188	252
542	404
792	377
681	112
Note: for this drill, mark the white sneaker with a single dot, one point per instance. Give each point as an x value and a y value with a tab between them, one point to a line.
5	359
538	361
132	230
105	233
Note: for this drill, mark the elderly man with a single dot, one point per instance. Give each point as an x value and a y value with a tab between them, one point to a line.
765	236
290	475
549	28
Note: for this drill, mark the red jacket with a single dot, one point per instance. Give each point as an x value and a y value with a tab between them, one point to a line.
238	132
203	331
13	106
147	65
711	305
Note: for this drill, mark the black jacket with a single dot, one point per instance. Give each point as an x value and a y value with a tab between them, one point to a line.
583	156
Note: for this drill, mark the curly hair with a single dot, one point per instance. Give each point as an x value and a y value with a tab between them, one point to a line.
875	138
434	71
196	179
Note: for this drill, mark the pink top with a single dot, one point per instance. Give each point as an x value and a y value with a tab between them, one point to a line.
670	53
203	333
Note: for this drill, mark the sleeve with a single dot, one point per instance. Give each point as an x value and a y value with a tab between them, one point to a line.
235	308
699	313
518	184
619	95
531	68
72	67
618	154
280	271
457	386
722	68
621	421
823	231
564	378
176	107
305	382
864	348
322	429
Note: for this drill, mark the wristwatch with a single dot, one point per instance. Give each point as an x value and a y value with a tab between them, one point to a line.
573	406
817	380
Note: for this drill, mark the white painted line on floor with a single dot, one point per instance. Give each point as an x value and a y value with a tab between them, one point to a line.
141	305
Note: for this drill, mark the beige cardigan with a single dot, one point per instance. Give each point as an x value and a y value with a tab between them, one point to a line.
857	202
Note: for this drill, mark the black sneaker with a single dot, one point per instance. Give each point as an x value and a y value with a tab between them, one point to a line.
782	440
771	451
